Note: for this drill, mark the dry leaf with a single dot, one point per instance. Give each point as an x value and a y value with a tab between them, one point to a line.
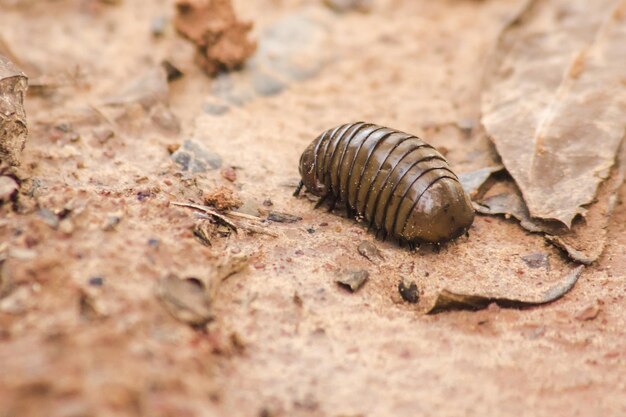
190	299
555	102
472	182
13	130
585	240
448	300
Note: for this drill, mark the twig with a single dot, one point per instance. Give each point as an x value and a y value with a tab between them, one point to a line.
207	210
257	229
244	215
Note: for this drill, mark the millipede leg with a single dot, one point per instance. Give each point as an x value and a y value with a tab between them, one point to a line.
332	205
321	201
298	189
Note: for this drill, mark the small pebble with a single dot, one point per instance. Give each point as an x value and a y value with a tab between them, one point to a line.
536	260
194	157
268	203
96	281
111	222
588	313
230	174
408	291
158	26
48	217
353	280
173	73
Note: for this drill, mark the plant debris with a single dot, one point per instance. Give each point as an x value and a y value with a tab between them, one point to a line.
13	129
190	299
221	39
585	240
185	299
448	300
474	181
222	199
278	217
203	233
553	103
371	252
352	280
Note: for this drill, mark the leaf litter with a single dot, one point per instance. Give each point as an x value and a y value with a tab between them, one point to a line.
554	102
13	130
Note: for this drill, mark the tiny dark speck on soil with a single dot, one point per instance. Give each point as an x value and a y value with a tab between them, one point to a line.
96	281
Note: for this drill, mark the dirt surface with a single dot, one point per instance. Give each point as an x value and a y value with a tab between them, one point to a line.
93	231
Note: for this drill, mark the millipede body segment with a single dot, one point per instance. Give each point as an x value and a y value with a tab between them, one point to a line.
395	181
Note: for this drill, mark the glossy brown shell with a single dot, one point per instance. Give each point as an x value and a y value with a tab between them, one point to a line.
398	183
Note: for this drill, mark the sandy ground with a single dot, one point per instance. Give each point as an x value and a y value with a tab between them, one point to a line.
286	340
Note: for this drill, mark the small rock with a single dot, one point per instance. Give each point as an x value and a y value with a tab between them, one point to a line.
158	26
353	280
173	73
249	206
215	108
48	217
268	203
349	5
229	174
371	252
588	313
466	126
266	85
66	226
164	118
96	281
194	157
408	291
103	135
91	308
111	222
536	260
8	187
278	217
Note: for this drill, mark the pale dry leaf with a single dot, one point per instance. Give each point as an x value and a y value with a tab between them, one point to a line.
448	300
555	102
586	239
13	129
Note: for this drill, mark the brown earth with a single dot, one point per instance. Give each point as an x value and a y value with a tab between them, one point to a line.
82	330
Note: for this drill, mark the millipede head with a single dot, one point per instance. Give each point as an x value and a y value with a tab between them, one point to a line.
308	172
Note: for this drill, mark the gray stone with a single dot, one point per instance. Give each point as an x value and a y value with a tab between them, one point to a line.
194	157
266	85
536	260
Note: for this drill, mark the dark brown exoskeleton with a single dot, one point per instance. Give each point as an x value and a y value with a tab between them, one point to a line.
398	183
